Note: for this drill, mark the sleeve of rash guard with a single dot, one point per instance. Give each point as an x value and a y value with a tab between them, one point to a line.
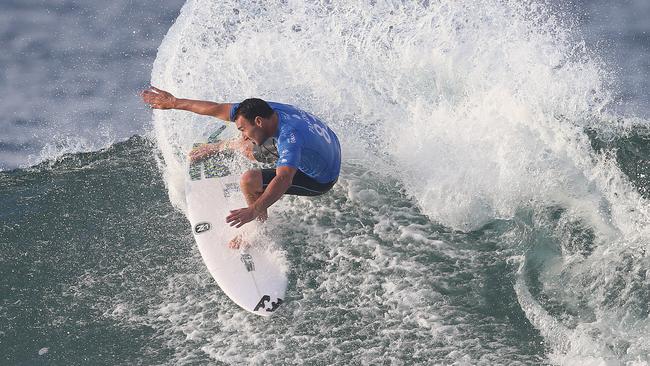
232	111
289	149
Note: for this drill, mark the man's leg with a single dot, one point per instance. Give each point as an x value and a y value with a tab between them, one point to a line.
252	187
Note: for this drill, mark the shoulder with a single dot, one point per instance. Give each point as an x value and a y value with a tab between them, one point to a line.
289	134
281	106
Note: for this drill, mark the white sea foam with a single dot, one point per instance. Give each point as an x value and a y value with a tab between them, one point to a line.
62	144
478	109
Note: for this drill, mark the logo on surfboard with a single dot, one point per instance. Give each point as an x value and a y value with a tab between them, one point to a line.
230	188
247	259
267	299
202	227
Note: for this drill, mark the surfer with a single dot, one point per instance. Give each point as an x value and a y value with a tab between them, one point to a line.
308	151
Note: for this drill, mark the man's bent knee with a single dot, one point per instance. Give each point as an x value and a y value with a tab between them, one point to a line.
252	180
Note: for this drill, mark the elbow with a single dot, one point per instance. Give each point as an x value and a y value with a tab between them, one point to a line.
284	177
285	183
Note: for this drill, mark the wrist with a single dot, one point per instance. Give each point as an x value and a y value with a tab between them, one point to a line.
224	145
258	209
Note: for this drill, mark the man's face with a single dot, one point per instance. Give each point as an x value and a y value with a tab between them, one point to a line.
251	130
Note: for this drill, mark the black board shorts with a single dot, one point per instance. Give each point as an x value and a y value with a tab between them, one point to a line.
302	184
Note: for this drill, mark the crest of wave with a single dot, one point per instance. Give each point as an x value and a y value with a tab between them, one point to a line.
480	108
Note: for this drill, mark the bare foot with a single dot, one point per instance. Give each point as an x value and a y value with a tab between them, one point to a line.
236	242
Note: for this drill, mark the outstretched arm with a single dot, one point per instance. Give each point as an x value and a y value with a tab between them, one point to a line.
160	99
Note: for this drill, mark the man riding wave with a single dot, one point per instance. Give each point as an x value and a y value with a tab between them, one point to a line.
308	151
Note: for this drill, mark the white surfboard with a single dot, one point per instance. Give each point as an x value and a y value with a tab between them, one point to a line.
251	276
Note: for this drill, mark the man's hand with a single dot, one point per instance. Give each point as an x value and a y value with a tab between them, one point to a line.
273	192
241	216
204	151
158	99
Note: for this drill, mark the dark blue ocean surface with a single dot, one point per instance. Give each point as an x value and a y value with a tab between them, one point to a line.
70	72
620	33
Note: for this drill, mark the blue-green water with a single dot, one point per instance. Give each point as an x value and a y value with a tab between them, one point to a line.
99	268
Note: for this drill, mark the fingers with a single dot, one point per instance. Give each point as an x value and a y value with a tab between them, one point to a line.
242	221
237	222
154	99
200	153
231	217
234	216
238	218
153	92
150	92
196	153
149	97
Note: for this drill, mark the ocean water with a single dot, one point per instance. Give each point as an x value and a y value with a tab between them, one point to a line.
492	207
70	71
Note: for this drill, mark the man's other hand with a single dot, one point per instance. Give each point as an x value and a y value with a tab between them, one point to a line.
241	216
204	151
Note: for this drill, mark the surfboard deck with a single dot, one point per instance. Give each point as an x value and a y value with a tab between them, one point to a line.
251	276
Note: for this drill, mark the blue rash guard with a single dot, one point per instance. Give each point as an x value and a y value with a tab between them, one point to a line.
304	142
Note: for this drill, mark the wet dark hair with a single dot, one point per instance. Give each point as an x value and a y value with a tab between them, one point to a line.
253	107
